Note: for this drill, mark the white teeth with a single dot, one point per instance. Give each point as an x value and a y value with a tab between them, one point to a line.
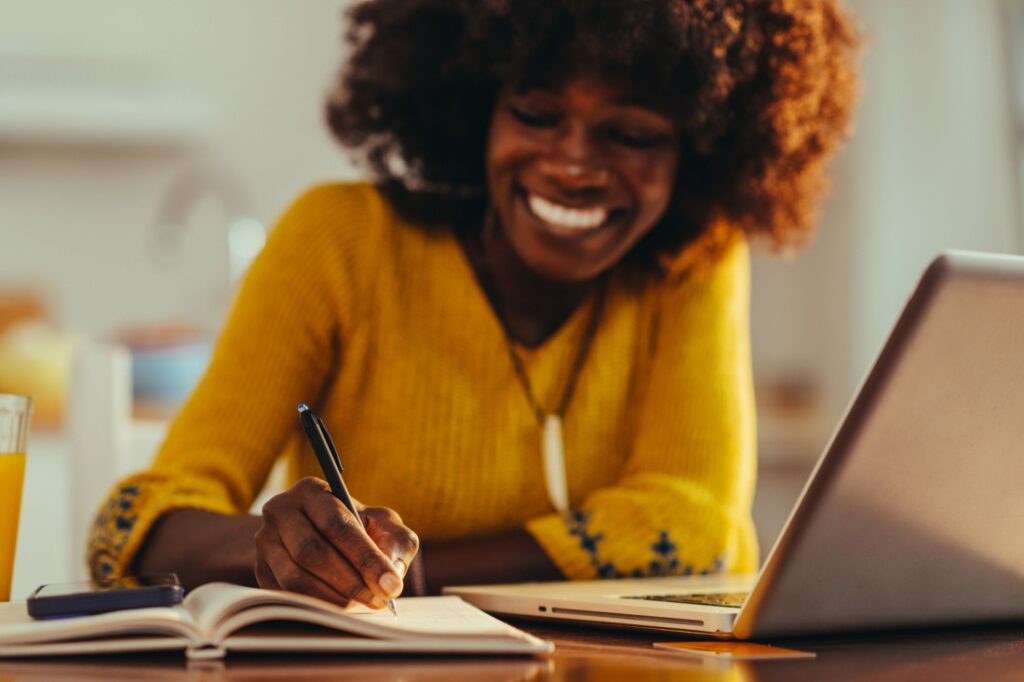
563	216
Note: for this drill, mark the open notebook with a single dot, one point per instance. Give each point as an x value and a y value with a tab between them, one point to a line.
219	618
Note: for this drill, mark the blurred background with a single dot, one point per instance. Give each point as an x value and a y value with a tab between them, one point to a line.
145	149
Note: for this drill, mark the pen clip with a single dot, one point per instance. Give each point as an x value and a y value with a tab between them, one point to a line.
327	456
322	428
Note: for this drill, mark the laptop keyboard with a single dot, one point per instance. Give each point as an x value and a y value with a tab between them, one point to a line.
728	599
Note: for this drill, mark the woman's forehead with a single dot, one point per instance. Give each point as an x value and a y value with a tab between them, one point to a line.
609	87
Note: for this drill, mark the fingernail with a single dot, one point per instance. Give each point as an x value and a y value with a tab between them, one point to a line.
400	567
391	584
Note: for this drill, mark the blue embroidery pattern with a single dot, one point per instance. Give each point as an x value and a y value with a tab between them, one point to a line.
664	561
111	530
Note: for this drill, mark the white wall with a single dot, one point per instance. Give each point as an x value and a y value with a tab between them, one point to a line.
930	167
77	219
935	155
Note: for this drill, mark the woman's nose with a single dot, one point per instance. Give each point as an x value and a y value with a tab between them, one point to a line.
574	162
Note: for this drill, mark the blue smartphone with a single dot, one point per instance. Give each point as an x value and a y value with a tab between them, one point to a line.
86	598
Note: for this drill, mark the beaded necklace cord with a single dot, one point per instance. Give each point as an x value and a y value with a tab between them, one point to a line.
552	436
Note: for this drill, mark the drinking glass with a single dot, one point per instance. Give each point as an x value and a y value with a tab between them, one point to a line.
15	411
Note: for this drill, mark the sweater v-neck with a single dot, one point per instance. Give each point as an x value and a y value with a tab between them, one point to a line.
568	329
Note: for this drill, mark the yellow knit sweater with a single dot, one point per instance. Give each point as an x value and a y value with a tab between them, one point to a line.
382	328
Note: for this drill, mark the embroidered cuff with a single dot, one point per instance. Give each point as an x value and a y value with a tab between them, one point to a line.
127	516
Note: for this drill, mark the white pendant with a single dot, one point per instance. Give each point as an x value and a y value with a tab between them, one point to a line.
553	448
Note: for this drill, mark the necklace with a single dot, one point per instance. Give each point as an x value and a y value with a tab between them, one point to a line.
552	437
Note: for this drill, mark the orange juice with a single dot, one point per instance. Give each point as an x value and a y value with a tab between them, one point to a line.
12	475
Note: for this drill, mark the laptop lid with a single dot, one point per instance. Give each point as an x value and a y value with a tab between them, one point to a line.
913	515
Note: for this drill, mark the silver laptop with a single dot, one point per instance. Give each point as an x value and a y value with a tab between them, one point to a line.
913	516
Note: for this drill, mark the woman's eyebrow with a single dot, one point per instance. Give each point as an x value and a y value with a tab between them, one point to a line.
524	90
637	101
636	107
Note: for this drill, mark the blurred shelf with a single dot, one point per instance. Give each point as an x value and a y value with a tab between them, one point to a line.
56	100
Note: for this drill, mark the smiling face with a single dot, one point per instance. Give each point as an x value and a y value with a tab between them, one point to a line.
577	175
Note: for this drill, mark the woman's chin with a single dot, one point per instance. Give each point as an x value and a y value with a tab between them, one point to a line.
556	267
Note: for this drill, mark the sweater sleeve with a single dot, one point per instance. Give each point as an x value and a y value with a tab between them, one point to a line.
682	502
278	348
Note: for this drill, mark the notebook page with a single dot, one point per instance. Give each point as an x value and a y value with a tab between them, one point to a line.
17	627
419	618
220	608
435	616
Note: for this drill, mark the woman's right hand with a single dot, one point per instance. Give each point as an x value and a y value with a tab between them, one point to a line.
309	542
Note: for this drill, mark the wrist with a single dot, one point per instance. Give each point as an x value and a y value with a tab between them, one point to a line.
201	547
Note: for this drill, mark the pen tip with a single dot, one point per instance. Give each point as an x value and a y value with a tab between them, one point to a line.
303	407
392	607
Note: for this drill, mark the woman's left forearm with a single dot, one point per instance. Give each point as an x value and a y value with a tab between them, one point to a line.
511	558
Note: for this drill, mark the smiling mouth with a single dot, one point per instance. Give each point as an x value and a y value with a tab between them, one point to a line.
567	217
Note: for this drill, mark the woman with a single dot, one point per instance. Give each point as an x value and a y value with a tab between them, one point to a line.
550	270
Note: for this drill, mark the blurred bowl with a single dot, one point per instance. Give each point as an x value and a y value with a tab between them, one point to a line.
167	363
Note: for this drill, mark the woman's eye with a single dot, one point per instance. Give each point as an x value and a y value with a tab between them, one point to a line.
533	118
636	139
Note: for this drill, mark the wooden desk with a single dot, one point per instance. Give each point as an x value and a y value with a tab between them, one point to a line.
991	654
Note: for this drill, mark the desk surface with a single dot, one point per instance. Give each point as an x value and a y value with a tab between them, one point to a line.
990	653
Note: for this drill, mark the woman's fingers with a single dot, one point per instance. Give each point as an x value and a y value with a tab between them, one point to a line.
289	575
310	542
265	577
399	543
345	532
312	552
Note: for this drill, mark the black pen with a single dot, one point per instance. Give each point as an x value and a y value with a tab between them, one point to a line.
330	464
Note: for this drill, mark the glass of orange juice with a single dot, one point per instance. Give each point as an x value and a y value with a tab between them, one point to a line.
15	411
